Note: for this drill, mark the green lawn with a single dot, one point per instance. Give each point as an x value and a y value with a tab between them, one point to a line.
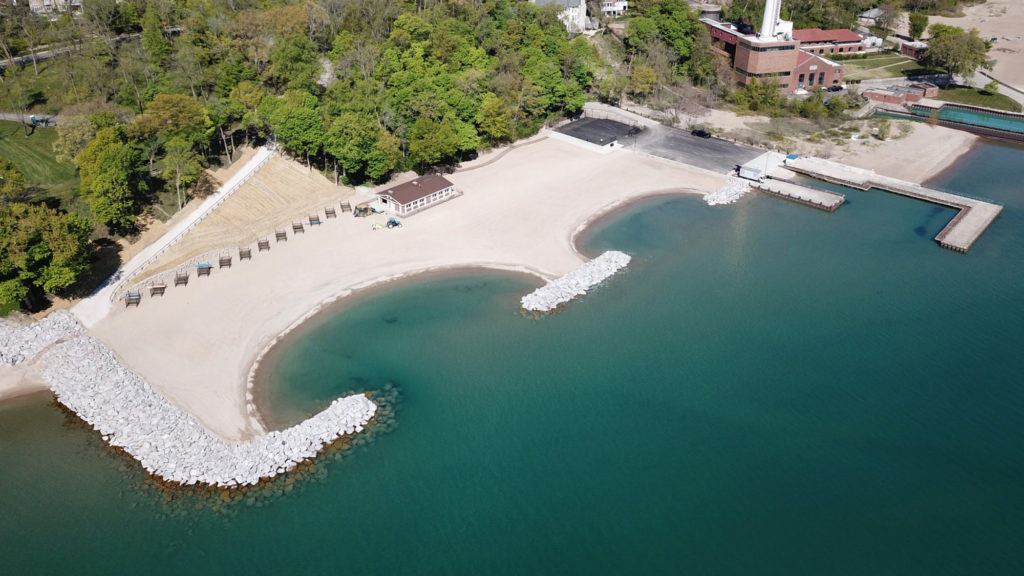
48	180
45	93
882	66
976	97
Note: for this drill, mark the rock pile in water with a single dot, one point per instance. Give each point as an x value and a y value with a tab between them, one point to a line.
21	343
575	283
734	189
88	379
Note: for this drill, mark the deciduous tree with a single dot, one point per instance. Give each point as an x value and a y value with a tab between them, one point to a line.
12	182
918	24
113	180
182	166
40	248
956	50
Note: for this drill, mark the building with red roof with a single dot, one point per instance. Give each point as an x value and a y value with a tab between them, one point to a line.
794	59
818	41
813	70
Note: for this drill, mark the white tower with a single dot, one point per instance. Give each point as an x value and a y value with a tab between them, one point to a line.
772	25
772	11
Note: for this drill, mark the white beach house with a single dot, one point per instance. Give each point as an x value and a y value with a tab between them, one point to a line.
573	15
417	194
614	7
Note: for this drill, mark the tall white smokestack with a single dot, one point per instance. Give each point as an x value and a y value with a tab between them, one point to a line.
772	11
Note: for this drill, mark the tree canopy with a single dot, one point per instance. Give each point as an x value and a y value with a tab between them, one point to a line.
956	50
113	178
12	181
918	24
40	249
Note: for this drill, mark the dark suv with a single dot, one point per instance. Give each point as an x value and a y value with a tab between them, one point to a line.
701	133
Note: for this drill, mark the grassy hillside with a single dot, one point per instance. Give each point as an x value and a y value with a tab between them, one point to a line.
976	97
49	181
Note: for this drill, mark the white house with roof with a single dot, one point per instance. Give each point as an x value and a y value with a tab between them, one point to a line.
614	7
54	6
871	17
573	15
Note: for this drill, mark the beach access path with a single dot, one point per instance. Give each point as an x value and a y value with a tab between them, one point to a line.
197	344
98	304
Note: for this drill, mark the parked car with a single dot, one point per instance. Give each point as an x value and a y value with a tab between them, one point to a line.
836	88
701	133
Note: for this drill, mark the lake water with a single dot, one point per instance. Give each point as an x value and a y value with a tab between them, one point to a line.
765	389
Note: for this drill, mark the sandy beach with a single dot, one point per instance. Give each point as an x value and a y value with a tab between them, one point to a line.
197	345
520	210
916	157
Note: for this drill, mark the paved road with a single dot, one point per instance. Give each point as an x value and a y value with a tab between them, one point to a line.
680	146
26	59
24	118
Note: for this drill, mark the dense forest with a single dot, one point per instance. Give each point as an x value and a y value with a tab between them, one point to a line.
150	92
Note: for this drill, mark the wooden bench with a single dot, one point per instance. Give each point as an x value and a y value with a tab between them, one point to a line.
330	213
263	244
281	236
314	220
203	269
298	228
224	262
181	277
132	298
246	253
346	207
157	289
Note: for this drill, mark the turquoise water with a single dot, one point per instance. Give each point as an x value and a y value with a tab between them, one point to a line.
766	389
975	117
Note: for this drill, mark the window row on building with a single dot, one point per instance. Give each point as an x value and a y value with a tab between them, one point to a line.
784	48
782	74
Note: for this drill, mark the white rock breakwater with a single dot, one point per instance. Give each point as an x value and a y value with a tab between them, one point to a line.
88	379
734	189
575	283
21	343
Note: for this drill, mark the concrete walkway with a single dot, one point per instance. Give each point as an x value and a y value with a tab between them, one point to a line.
813	197
24	118
960	234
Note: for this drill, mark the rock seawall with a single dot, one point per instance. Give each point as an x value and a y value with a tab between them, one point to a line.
575	283
88	379
21	343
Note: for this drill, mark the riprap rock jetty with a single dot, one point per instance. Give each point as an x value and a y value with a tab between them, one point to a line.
575	283
88	379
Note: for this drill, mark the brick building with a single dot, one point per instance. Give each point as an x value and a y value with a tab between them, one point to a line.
792	58
818	41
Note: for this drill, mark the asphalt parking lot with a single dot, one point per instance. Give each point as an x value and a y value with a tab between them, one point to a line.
681	146
669	143
597	131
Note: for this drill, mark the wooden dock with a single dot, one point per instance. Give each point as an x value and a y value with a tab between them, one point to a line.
960	234
820	199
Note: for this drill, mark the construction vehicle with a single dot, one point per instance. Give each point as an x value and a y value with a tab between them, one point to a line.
362	210
392	223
